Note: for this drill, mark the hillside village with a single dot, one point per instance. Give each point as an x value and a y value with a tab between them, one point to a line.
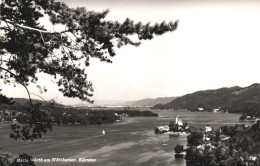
224	146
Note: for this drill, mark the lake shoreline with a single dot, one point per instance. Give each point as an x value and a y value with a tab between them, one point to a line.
130	142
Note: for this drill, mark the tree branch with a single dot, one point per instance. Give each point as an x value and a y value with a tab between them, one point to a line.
34	29
42	39
38	96
28	92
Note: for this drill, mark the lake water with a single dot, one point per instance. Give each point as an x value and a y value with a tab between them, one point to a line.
130	142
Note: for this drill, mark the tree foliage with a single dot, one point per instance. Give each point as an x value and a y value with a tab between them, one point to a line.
178	148
195	139
39	121
8	159
5	100
28	47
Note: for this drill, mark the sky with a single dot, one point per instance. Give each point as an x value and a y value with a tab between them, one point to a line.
217	44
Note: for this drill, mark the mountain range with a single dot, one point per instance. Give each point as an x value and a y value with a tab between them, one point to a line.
234	99
149	102
138	103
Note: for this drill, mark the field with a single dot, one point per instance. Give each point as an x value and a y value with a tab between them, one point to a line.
130	142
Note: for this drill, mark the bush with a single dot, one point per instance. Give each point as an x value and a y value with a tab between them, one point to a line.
8	159
195	139
178	148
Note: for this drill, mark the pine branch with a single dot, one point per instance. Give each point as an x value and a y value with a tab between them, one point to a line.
33	29
28	92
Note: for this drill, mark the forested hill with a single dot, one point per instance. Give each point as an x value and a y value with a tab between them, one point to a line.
22	104
234	99
150	102
25	101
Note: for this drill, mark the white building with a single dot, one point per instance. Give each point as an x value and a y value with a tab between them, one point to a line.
178	121
208	129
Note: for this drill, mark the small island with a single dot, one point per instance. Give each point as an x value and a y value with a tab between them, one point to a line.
175	128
